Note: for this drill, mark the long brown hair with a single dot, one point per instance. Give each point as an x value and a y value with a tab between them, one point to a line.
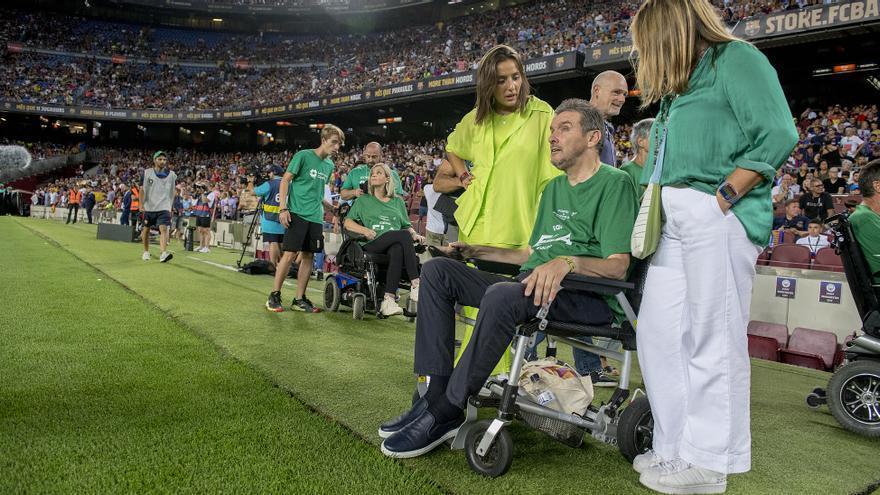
666	36
487	79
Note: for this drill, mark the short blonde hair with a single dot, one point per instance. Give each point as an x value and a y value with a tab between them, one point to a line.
389	183
329	130
666	36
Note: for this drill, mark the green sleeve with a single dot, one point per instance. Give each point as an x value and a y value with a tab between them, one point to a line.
759	105
461	139
295	164
398	188
356	212
614	225
348	183
404	215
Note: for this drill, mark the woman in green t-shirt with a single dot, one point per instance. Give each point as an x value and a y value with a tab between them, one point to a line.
382	218
723	130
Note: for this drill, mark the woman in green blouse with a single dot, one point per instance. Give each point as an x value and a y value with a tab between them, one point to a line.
722	131
382	218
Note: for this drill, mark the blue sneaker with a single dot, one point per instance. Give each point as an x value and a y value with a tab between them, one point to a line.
391	427
421	436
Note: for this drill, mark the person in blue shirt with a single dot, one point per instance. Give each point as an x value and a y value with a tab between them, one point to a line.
269	192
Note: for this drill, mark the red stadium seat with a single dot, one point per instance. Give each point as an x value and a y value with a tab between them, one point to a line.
776	331
790	256
811	349
828	260
763	348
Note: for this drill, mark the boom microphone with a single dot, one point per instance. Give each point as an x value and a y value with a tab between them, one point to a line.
14	157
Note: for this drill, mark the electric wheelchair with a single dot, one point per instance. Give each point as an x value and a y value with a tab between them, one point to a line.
625	421
853	392
358	282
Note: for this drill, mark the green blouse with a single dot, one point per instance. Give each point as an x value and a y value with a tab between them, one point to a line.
733	115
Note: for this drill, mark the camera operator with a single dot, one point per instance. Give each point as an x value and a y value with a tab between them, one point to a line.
269	191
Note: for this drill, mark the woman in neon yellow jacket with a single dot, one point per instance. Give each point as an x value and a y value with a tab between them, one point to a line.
506	137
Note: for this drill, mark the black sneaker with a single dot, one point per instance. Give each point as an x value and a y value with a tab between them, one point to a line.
600	379
274	302
304	305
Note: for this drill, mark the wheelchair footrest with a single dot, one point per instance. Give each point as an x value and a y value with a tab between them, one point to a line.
625	334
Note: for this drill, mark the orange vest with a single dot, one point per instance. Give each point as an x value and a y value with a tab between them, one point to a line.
75	197
135	199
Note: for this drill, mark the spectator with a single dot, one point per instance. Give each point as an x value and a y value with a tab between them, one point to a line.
817	203
785	191
814	239
850	143
792	221
834	184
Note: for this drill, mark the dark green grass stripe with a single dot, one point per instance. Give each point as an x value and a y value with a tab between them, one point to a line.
103	393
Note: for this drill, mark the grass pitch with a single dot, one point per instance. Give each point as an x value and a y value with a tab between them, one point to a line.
126	376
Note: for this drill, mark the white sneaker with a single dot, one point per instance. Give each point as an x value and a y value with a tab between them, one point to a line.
647	460
679	477
165	256
390	307
414	294
146	256
204	250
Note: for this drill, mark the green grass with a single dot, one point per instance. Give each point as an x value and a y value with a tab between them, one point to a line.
356	374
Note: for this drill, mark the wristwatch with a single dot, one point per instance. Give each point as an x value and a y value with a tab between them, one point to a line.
283	209
727	191
570	261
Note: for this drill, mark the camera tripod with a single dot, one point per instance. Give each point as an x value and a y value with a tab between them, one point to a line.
258	213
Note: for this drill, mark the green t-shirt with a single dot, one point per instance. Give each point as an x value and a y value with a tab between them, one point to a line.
592	219
866	227
635	171
380	216
306	194
361	173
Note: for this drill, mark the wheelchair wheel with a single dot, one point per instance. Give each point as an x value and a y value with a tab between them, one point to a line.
635	430
332	294
854	397
499	457
358	306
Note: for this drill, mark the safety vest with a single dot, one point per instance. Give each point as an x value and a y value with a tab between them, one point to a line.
75	197
135	199
272	206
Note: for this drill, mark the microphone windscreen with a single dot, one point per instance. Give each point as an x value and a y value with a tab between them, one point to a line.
14	157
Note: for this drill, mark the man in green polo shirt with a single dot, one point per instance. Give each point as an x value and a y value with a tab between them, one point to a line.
301	196
866	219
584	225
359	175
639	137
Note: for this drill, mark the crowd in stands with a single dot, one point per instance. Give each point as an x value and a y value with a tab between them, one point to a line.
343	63
40	150
225	175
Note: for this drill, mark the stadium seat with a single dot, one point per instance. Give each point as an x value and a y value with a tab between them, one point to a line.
776	331
810	349
763	348
790	256
828	260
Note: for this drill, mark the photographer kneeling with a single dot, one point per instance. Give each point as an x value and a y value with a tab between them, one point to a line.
584	225
381	217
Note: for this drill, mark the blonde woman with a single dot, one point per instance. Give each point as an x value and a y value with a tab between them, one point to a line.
722	131
382	218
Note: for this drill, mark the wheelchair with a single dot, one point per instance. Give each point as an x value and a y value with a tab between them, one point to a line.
853	392
358	281
488	444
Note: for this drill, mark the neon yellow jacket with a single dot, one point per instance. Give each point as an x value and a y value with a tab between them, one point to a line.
499	206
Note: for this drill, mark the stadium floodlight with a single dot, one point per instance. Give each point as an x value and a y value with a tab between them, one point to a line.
217	19
316	126
390	120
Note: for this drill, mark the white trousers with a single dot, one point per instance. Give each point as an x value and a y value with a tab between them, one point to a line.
692	343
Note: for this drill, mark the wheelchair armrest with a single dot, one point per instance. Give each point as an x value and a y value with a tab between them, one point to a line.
495	267
355	236
606	286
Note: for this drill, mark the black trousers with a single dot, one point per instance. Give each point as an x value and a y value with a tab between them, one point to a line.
503	305
89	213
398	246
74	210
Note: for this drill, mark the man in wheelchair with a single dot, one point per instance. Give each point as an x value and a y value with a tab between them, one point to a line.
584	225
381	218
